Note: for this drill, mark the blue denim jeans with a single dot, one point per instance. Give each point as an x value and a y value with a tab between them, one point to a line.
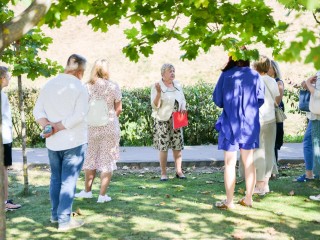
65	168
315	133
307	147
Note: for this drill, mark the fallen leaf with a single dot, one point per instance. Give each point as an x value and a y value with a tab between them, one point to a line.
238	236
291	193
178	209
177	186
279	213
316	221
162	203
241	191
209	182
79	211
167	196
205	192
271	231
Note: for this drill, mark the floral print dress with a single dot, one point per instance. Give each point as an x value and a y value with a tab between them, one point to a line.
103	142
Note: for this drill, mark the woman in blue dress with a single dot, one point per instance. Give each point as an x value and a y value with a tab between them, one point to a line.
240	93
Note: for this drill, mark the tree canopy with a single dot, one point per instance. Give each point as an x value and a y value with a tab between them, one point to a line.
196	24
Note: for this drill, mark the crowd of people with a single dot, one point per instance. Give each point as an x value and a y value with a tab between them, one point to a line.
247	95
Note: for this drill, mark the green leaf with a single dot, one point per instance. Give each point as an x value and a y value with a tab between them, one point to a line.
131	33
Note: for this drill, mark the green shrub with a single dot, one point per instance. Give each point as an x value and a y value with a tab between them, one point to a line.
136	121
32	128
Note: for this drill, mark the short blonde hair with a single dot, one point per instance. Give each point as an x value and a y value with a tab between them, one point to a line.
262	65
165	67
100	69
276	69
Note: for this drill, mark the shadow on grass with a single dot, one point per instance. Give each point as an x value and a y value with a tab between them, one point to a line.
144	208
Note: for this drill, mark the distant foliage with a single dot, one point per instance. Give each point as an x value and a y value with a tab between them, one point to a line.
136	121
33	129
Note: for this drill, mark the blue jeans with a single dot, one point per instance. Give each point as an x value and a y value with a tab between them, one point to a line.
315	133
65	168
307	147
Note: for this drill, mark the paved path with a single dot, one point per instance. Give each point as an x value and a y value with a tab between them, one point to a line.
204	155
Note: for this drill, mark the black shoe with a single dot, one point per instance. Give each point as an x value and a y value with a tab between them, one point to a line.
164	179
180	177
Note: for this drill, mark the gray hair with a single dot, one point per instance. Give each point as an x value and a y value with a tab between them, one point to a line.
165	67
3	71
276	69
76	62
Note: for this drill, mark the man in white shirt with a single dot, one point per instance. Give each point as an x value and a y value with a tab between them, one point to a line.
6	135
63	105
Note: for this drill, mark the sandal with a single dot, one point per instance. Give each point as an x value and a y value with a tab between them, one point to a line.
242	203
222	205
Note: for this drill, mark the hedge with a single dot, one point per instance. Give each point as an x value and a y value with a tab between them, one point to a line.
135	120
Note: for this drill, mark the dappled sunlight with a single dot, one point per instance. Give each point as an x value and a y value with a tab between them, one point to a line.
145	208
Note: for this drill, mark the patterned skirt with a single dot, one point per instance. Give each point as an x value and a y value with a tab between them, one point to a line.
165	137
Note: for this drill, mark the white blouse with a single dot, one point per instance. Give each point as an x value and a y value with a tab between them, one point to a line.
168	98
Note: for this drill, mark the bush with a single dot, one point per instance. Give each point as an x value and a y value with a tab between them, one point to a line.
136	121
33	129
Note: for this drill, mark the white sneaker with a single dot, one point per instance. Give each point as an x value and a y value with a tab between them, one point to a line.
102	199
83	194
315	198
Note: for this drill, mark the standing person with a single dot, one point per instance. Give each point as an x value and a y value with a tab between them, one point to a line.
103	141
315	126
264	157
240	92
274	72
63	104
167	97
6	136
310	165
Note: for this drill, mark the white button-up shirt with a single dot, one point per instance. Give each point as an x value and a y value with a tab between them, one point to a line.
6	119
64	99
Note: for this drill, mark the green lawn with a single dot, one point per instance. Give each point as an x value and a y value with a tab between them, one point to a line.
145	208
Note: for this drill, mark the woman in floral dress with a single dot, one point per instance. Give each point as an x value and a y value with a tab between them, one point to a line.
103	141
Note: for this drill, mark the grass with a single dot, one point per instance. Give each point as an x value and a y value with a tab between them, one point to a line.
145	208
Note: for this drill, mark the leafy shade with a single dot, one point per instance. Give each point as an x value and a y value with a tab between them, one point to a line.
196	24
24	56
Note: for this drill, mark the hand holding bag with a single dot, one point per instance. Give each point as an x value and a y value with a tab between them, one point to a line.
304	99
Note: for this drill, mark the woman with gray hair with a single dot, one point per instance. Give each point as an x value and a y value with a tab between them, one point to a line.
167	97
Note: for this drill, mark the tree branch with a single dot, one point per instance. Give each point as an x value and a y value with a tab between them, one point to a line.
315	18
20	25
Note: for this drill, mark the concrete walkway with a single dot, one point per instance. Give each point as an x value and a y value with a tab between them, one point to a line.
204	155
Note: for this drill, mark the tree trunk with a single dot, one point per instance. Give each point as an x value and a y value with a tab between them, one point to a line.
23	137
2	169
20	25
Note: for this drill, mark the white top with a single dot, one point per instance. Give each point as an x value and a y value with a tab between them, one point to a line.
64	99
267	110
6	119
316	94
168	98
